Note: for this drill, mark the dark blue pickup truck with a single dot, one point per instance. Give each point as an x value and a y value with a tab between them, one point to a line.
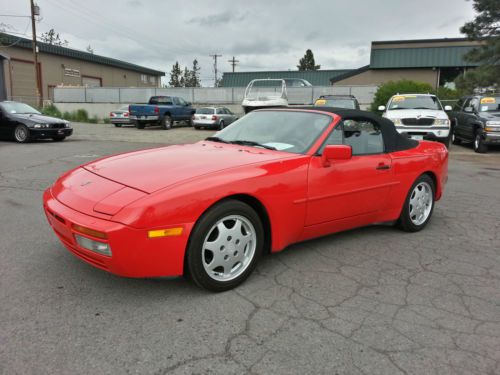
161	110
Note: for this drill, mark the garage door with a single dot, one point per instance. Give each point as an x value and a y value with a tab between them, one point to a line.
23	81
91	81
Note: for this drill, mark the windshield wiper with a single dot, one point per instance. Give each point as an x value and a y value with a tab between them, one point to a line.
252	143
432	109
216	139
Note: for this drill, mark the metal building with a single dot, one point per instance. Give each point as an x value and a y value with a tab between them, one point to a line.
61	66
434	61
315	77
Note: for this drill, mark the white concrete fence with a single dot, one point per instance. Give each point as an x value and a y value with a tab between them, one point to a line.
99	101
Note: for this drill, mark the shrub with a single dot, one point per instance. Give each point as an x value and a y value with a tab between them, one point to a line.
51	110
404	86
93	120
81	115
106	120
67	116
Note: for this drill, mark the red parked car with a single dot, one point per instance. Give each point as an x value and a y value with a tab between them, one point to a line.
274	177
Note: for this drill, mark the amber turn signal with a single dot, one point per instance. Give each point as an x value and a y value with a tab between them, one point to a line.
90	232
165	232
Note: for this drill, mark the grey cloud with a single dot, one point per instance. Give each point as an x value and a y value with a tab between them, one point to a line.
218	19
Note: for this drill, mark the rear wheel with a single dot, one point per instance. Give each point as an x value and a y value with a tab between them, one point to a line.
21	134
166	122
418	205
479	145
118	125
139	125
221	125
225	246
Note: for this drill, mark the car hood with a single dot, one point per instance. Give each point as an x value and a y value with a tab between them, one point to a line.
152	170
494	116
35	119
412	113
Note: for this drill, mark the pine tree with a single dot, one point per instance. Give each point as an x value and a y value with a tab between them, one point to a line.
195	75
484	27
175	75
53	38
307	62
185	78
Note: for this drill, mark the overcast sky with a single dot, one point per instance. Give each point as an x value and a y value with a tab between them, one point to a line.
262	35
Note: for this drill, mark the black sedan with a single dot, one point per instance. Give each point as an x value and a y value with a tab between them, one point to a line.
23	123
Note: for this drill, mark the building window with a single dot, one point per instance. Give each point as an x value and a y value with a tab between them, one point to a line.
144	78
152	79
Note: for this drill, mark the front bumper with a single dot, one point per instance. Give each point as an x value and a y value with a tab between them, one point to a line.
432	133
133	253
50	133
492	138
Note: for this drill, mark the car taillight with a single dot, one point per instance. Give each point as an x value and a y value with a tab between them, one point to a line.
214	117
111	114
157	110
125	114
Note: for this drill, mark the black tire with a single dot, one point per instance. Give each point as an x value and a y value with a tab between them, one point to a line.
445	141
190	122
221	125
140	125
59	139
118	125
166	122
21	134
479	145
196	255
405	220
453	136
197	127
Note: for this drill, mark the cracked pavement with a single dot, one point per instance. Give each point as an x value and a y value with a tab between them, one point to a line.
374	300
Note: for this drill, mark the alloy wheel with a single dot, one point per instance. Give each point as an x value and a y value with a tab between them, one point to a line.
421	201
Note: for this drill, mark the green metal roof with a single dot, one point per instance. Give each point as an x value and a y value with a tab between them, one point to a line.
10	40
420	57
315	77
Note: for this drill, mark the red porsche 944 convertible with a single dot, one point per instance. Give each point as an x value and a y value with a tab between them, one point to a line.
274	177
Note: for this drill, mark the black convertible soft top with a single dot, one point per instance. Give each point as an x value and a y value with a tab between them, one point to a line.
392	139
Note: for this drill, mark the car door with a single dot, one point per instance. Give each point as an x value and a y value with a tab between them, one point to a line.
230	116
354	187
465	130
185	109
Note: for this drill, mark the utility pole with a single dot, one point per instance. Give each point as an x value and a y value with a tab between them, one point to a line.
233	62
35	11
215	67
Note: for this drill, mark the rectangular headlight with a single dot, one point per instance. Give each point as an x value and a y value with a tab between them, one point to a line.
95	246
441	122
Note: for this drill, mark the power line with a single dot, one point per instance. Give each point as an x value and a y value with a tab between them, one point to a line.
215	56
233	62
14	15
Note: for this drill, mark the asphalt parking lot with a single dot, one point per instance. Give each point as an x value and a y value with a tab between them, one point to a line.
370	301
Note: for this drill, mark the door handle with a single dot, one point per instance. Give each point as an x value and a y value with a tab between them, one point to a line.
383	166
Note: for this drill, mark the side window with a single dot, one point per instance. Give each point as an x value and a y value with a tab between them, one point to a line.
364	136
474	103
458	105
228	111
467	102
182	101
218	111
336	137
176	101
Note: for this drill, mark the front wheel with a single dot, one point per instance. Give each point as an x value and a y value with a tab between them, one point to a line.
479	145
418	205
225	246
59	139
21	134
454	139
445	141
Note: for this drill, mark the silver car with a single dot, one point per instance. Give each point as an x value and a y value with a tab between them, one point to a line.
120	117
213	117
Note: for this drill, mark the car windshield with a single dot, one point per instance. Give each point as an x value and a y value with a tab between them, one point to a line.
415	102
339	103
18	108
289	131
205	111
490	104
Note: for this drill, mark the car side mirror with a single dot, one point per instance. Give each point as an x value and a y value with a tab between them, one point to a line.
335	152
447	108
468	109
381	107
